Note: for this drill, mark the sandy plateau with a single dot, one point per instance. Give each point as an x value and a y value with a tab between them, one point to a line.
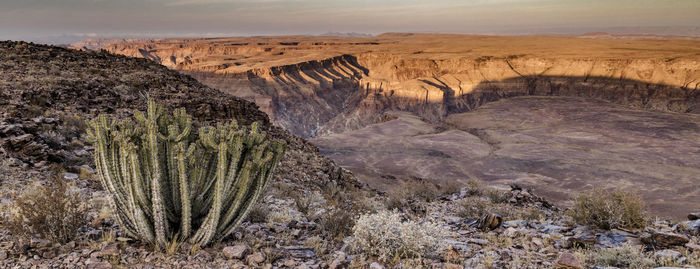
556	114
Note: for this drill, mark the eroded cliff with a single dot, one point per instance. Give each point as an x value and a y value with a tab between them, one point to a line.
316	88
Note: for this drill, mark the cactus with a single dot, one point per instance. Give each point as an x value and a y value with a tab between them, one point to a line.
168	183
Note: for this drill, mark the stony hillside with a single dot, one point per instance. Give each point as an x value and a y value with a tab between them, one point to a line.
47	93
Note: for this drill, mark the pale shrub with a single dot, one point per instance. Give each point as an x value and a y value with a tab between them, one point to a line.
626	256
385	236
610	209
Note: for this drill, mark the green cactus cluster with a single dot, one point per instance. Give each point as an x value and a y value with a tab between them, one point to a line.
169	183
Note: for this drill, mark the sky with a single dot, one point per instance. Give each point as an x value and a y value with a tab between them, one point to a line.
37	20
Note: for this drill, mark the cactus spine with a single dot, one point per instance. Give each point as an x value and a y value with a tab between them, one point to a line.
169	183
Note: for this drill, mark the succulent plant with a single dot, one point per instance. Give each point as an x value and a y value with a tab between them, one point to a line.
168	183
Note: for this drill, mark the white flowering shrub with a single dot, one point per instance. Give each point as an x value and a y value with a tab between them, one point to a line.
385	236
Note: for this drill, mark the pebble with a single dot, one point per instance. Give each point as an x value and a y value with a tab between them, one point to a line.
376	265
568	261
235	252
70	176
255	258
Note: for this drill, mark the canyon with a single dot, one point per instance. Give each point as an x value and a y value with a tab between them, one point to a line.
555	114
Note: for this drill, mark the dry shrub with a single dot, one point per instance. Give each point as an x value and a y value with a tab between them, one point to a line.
259	213
474	187
387	237
476	207
54	211
404	198
477	188
449	188
496	196
532	214
624	257
609	210
303	202
424	191
322	248
337	223
333	193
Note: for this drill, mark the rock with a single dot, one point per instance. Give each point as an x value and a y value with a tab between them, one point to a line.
694	247
537	241
478	241
108	251
70	176
451	255
667	255
694	216
568	261
299	252
452	219
340	261
489	222
289	263
613	238
552	229
515	223
255	258
511	232
376	265
664	239
19	141
11	130
99	265
50	254
448	265
235	252
694	226
583	240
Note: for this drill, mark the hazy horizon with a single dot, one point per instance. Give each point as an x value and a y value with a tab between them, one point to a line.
71	20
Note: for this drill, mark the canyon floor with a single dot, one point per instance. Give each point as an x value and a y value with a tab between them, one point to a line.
618	114
555	145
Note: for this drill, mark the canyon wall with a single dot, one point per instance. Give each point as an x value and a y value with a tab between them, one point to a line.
346	91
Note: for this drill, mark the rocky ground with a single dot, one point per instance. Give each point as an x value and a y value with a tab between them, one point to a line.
515	229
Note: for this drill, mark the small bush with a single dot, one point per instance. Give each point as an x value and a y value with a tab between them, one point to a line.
424	191
624	257
474	208
258	214
337	223
409	196
474	187
449	188
303	202
609	210
496	196
388	238
53	212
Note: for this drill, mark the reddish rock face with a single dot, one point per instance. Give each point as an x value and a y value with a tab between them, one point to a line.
313	86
